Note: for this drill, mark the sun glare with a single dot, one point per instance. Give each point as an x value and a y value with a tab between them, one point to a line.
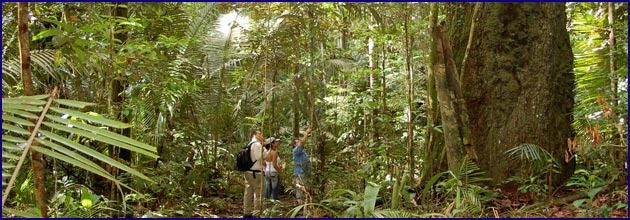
232	20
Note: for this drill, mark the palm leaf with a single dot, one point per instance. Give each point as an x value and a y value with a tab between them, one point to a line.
529	152
41	59
386	213
55	136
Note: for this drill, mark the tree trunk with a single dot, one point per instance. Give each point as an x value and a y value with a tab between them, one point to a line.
611	44
37	158
518	83
120	83
446	85
433	162
117	94
410	105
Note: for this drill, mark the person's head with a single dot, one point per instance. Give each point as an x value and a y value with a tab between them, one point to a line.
275	143
257	134
272	143
295	143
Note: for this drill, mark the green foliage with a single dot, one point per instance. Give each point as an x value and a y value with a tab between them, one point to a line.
192	91
57	133
539	165
397	190
356	205
463	191
76	201
601	94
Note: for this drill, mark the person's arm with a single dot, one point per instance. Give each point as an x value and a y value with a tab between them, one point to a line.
274	161
303	140
256	149
264	168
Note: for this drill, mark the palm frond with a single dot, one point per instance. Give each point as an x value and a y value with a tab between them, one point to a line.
529	152
41	59
207	16
387	213
55	132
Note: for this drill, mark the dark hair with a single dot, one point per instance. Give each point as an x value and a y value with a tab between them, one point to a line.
293	142
268	145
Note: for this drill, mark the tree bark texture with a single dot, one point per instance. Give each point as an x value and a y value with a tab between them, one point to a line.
37	158
518	83
433	162
120	83
450	99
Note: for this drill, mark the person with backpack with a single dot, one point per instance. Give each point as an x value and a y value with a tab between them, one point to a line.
272	169
302	166
253	176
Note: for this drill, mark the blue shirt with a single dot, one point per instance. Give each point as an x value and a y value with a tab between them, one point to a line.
302	165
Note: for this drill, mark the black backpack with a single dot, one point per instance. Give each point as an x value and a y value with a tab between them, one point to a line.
243	158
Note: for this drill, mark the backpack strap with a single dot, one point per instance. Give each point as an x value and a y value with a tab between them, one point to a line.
250	155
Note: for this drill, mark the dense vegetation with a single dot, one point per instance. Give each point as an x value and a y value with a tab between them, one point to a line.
137	109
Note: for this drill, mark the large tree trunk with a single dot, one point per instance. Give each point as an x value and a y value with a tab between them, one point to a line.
518	82
27	80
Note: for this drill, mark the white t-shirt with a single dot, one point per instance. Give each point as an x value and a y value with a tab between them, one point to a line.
270	169
257	155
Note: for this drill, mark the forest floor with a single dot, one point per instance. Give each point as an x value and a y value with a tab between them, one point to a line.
609	204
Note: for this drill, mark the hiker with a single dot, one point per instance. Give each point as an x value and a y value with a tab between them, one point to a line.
253	177
272	169
302	166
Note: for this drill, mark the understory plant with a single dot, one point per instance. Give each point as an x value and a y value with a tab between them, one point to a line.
534	179
463	192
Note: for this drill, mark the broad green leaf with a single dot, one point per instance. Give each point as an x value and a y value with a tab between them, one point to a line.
72	103
429	185
591	193
578	203
104	133
15	129
13	139
86	201
337	193
369	198
17	120
95	154
100	138
47	33
30	108
101	120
